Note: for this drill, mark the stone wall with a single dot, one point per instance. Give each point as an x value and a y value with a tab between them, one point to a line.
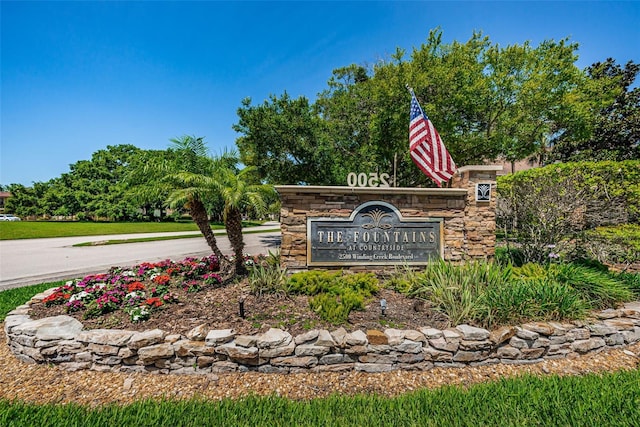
468	225
61	340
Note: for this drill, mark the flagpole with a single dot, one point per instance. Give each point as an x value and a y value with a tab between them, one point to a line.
410	89
395	168
426	147
395	155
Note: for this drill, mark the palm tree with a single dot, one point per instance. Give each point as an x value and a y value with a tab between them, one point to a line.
190	176
192	179
191	193
239	194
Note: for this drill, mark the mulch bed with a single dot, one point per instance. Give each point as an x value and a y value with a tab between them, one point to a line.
218	308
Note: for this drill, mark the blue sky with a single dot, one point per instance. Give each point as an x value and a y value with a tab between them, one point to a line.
78	76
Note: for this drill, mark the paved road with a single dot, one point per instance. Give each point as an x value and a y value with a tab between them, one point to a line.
26	262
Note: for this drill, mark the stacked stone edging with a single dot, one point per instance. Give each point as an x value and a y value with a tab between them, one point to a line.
61	340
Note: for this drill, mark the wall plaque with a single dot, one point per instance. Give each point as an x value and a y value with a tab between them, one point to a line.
483	192
374	234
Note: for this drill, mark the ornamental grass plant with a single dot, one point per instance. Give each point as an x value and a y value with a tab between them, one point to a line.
456	290
632	281
599	288
488	294
268	279
521	301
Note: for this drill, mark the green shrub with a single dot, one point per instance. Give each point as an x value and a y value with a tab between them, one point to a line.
612	245
334	294
365	284
554	205
404	280
312	282
509	255
607	180
529	270
334	308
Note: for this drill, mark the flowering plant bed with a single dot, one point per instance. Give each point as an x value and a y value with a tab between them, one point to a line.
178	296
136	291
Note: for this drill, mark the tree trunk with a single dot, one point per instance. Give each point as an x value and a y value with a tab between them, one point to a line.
199	214
233	224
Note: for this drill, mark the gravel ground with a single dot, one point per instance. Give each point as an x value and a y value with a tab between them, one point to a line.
49	384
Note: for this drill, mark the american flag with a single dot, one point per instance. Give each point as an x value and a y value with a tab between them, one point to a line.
427	150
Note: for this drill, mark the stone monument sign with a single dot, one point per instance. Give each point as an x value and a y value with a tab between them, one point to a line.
358	228
374	233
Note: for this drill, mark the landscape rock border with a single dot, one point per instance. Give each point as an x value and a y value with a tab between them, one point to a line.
62	340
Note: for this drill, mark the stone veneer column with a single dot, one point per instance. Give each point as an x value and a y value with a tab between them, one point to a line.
479	216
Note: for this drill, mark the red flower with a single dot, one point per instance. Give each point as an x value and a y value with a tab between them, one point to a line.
161	280
50	298
154	302
135	286
57	297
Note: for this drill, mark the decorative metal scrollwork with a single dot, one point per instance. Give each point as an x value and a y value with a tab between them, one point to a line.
376	216
483	192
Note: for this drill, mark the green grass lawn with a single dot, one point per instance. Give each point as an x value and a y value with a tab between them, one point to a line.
11	298
40	229
611	399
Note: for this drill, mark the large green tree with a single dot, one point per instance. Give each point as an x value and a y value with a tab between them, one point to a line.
614	131
92	189
487	102
25	201
282	138
345	108
97	184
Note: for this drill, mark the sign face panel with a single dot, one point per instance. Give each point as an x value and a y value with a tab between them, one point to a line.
374	234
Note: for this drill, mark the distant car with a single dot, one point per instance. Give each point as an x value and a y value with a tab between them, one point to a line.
8	217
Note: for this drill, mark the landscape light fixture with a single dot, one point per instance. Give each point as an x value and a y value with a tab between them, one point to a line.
241	307
383	306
